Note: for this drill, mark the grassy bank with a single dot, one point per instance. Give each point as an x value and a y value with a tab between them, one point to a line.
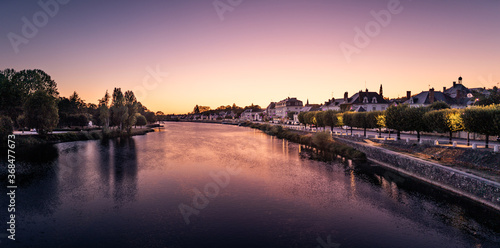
320	141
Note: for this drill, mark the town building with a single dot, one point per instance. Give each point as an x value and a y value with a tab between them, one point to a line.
457	96
286	106
364	101
252	115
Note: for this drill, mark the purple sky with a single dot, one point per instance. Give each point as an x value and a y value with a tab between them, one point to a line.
261	51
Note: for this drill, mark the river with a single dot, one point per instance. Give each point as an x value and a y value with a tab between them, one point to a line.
211	185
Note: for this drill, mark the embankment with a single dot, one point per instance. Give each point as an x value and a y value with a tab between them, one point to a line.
479	189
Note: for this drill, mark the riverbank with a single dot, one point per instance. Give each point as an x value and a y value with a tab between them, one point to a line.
53	138
320	141
476	188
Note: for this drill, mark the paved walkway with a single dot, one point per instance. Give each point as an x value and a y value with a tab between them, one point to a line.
428	139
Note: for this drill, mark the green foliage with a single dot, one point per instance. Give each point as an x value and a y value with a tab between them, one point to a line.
482	120
492	98
414	119
395	117
131	104
16	87
321	139
330	119
444	121
150	117
141	120
438	105
320	118
348	119
381	120
302	117
310	118
6	127
340	119
40	111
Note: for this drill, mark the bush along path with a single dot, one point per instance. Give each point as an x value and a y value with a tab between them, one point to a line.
322	141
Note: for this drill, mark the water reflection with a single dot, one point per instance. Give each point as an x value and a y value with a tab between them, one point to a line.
125	171
126	193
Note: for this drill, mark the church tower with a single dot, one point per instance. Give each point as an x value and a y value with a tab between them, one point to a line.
381	91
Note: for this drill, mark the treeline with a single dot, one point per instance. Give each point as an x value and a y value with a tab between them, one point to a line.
237	110
438	117
30	99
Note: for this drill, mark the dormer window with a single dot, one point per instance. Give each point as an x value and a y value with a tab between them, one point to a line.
374	100
411	101
365	100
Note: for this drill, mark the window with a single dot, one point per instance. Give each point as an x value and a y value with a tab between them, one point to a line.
365	100
374	100
374	108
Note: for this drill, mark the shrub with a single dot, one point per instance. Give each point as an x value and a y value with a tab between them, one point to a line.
321	139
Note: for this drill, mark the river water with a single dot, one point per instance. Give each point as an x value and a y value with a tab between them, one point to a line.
210	185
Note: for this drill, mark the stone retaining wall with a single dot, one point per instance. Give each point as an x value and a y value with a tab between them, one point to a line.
473	187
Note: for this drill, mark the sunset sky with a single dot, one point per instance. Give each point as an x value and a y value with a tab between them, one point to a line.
260	51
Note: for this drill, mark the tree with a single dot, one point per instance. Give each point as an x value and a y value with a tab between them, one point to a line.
482	120
6	127
439	105
204	108
21	120
141	120
362	120
150	117
395	118
445	121
290	115
40	110
414	120
131	104
330	119
348	120
196	109
492	98
378	120
310	118
302	118
119	112
104	111
321	118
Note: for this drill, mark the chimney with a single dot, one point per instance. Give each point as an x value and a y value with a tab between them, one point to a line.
346	95
454	83
444	89
408	95
366	90
431	95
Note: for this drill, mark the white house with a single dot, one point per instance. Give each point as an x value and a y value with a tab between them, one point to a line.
251	115
286	106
